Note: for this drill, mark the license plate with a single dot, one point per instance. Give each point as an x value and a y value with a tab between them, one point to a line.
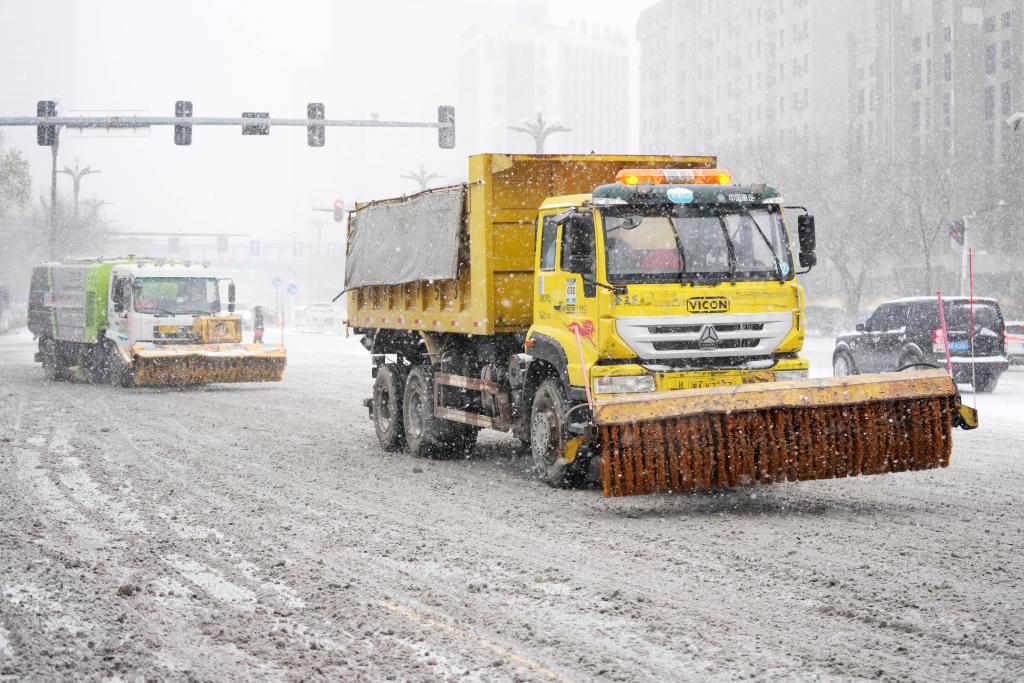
957	346
703	381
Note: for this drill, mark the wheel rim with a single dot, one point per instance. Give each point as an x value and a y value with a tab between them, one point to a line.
841	367
414	417
544	437
384	408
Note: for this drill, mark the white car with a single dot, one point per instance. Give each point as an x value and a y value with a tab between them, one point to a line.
324	317
1014	336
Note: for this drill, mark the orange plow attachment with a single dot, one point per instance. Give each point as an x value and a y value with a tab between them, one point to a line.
707	439
208	363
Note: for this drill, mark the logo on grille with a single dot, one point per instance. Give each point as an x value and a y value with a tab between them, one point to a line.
708	338
707	304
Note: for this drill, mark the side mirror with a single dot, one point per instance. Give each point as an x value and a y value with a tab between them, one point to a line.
860	327
805	230
808	241
231	297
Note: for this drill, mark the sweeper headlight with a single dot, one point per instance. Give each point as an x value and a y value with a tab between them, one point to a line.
626	384
667	176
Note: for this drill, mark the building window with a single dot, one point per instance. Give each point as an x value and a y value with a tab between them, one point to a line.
1007	54
916	44
1006	95
915	117
990	59
916	70
990	103
990	144
860	101
947	33
947	66
1006	19
947	110
990	24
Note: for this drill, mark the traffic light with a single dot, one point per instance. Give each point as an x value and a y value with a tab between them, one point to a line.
956	231
46	136
339	211
446	127
183	132
315	134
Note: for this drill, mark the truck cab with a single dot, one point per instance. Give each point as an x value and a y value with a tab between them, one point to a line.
648	285
159	304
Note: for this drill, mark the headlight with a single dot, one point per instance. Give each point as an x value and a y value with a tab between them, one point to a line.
786	375
626	384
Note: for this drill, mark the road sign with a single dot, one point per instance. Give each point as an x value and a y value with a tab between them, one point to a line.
293	288
276	281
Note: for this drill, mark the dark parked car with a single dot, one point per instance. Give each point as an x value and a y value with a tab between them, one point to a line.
907	332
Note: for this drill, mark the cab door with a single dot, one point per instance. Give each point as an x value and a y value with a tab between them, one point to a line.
565	303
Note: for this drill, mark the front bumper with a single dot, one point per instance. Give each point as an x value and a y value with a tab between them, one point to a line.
784	369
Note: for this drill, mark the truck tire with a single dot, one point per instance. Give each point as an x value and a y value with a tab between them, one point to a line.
986	381
54	367
387	407
118	374
547	415
423	431
425	435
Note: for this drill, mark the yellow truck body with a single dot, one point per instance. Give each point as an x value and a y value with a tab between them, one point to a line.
630	312
494	289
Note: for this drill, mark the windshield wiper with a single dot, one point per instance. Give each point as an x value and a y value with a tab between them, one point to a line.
156	311
731	248
771	248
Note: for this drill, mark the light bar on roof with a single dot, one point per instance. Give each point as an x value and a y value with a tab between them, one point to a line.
683	176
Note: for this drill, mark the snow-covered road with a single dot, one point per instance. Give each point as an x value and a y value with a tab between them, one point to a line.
241	532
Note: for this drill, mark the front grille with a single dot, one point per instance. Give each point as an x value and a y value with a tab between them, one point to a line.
718	336
695	345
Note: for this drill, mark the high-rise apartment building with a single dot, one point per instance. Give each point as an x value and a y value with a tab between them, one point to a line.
733	76
517	63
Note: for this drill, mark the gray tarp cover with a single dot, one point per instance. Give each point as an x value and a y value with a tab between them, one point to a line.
404	241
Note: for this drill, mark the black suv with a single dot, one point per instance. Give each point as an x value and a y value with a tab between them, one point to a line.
906	333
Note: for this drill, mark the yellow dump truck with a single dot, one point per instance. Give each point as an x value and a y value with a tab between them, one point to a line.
635	319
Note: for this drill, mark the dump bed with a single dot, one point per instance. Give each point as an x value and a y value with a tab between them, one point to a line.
488	287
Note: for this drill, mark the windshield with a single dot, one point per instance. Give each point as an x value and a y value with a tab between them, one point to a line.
698	243
176	295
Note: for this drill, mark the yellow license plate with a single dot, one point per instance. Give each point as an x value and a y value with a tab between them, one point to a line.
702	381
168	329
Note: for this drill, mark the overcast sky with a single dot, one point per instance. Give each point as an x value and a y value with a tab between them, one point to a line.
393	57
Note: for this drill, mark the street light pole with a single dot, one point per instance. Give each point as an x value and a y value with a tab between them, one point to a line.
53	194
539	130
76	179
423	177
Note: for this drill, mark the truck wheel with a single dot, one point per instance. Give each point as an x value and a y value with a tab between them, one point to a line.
118	374
546	438
387	407
423	431
53	366
986	381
